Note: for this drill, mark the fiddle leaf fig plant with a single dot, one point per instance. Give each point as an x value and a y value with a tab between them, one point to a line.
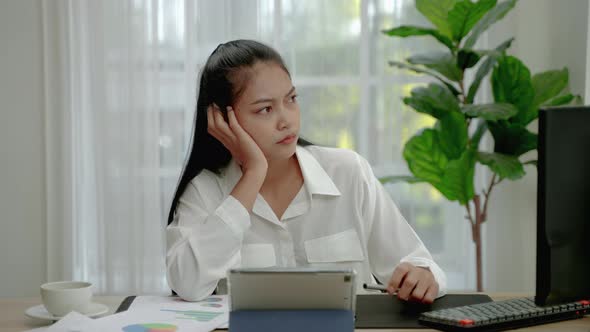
445	155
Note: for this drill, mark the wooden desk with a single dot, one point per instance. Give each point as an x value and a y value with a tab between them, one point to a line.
12	317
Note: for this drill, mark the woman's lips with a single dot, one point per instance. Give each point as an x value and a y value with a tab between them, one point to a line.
287	140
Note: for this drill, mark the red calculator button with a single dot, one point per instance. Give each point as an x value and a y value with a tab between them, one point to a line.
466	322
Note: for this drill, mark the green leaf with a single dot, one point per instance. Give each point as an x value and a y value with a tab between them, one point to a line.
494	53
512	139
491	17
511	83
442	62
422	70
485	68
426	160
457	181
481	128
410	31
531	162
425	156
417	69
549	84
490	112
400	178
452	131
467	59
465	14
434	99
504	165
482	71
560	100
436	11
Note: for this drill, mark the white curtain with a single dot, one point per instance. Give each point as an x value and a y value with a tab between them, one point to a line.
120	94
105	221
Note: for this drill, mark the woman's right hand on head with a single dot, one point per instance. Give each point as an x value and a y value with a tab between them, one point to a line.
239	143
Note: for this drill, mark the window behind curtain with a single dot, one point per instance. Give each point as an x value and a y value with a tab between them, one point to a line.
349	97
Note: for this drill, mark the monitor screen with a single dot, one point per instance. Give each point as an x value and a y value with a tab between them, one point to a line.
563	205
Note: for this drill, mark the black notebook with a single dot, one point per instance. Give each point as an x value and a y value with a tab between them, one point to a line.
385	311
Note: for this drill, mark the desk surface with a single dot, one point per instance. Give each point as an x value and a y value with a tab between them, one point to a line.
12	316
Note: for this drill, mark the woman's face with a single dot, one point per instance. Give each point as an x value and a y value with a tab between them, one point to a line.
267	109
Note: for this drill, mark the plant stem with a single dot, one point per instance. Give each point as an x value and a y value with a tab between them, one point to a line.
478	242
487	196
469	217
476	221
462	88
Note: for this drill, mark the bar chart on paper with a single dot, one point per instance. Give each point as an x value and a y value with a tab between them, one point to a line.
170	314
210	302
201	316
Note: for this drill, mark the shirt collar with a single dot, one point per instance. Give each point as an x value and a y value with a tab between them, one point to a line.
315	178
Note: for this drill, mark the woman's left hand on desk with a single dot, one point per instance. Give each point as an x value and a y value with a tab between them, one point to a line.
413	283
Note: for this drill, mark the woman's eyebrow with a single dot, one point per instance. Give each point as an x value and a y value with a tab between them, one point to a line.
266	100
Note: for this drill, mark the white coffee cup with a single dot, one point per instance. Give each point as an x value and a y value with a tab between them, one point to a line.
61	297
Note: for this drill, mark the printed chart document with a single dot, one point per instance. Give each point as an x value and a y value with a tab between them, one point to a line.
215	307
152	314
149	320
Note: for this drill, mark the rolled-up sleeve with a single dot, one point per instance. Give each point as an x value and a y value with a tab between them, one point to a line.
203	242
391	239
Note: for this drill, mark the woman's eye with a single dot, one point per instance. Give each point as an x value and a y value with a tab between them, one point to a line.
294	98
265	110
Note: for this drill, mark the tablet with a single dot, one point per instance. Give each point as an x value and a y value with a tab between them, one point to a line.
295	288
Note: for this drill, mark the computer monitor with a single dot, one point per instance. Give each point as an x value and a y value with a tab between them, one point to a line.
563	205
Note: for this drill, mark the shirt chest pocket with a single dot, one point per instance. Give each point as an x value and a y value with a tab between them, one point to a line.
340	247
258	255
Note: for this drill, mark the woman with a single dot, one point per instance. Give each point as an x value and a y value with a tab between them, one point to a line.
253	194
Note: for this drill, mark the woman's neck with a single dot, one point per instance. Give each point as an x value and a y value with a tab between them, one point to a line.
280	172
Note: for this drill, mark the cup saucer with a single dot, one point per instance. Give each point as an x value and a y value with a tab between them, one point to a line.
39	312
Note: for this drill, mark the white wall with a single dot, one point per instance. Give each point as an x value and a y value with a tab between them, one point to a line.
22	190
549	35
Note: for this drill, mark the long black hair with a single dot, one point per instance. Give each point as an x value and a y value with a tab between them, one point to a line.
223	79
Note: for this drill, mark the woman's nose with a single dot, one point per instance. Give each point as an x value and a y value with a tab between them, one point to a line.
283	118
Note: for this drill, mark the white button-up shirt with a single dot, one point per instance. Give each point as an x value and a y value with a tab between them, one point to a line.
341	218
